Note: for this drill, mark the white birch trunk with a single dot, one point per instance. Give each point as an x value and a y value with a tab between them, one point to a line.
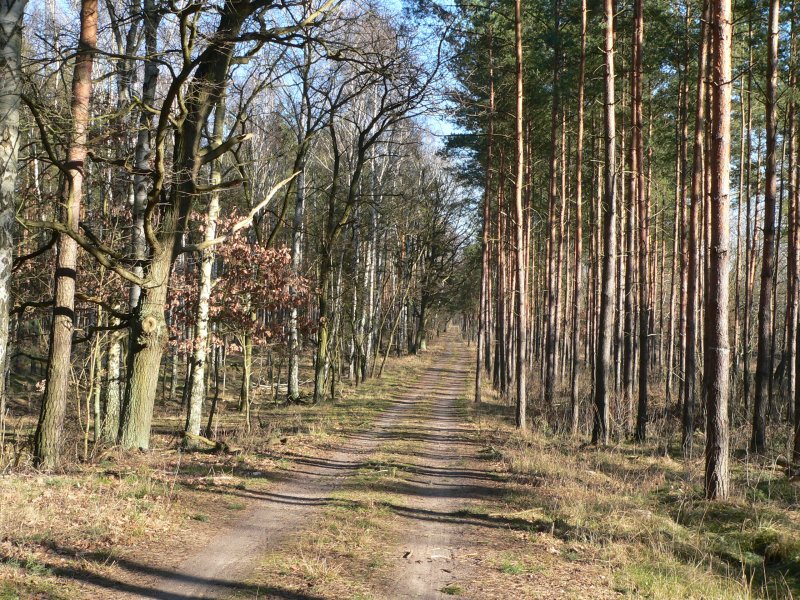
11	13
197	394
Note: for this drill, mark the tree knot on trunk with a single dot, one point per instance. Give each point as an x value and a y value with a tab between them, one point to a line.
152	331
149	324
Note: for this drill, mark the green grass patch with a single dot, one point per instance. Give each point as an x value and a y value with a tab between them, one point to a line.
452	589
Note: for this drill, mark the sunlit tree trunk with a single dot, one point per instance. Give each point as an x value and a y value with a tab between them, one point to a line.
293	371
607	300
739	249
628	207
676	233
197	381
293	374
791	260
554	241
47	443
578	227
143	146
521	291
697	201
716	349
483	325
749	226
11	14
499	375
112	392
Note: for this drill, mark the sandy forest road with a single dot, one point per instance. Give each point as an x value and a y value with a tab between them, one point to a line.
221	568
441	538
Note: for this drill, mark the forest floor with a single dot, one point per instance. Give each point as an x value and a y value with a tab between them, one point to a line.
400	489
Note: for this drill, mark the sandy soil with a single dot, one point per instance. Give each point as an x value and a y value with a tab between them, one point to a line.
447	547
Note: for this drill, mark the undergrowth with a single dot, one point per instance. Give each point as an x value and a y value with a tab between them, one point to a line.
643	511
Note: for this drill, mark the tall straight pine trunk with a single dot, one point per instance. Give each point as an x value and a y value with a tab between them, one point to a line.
578	227
763	363
605	325
644	225
690	361
47	444
483	325
716	348
791	288
554	241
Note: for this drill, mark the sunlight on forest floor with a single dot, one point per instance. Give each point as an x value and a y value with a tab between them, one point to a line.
644	513
99	521
576	521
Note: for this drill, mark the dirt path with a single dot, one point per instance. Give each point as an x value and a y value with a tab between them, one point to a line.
420	481
460	539
219	569
435	557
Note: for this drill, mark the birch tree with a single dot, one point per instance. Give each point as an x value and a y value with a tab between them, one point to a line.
11	14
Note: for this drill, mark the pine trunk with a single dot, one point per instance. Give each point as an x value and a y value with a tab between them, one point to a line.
520	292
54	404
578	228
716	349
763	367
600	429
690	362
482	346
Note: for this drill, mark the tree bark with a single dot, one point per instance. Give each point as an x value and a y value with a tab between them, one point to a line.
197	382
644	224
521	291
554	242
749	226
483	324
11	15
143	147
792	275
600	429
716	348
47	444
763	367
293	375
690	363
578	226
112	392
739	221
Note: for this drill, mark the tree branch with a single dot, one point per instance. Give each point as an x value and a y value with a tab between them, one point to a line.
246	222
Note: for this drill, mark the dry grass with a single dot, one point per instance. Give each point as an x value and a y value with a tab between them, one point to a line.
345	551
110	520
643	513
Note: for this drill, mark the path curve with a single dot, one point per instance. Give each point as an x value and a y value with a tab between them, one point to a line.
218	569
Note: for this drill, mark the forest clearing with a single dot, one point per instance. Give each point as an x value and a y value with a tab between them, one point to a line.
383	299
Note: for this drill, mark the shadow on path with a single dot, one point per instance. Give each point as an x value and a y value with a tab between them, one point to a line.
143	591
